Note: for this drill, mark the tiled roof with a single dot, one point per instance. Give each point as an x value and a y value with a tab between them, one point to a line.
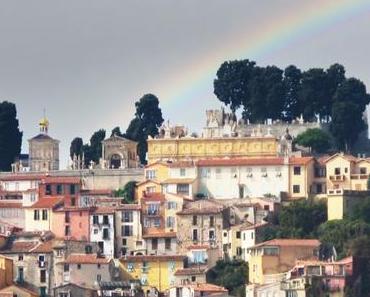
50	202
156	163
20	177
104	210
106	192
86	259
160	235
207	288
349	158
289	242
147	181
19	247
251	226
129	207
42	136
191	271
10	204
61	180
152	258
241	161
178	181
207	206
181	164
153	197
44	247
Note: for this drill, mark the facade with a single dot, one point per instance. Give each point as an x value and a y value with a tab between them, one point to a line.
6	271
197	290
202	223
152	271
128	233
278	256
12	213
74	290
118	153
17	290
102	229
43	150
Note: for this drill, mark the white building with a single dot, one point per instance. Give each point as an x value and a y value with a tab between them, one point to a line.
240	178
102	229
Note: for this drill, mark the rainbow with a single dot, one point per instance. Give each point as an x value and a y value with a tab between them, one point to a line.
276	34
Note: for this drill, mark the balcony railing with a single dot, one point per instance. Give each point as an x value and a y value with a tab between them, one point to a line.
359	176
337	177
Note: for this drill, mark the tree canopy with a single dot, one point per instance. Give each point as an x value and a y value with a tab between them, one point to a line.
316	94
147	120
10	135
316	139
127	192
76	147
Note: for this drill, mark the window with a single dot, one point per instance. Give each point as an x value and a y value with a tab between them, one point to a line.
157	223
296	189
73	201
95	220
105	220
88	249
297	170
63	294
218	173
362	170
337	171
205	172
48	190
182	171
170	222
98	277
124	241
20	277
183	189
42	276
59	189
127	217
252	235
66	267
154	243
195	220
150	174
238	234
78	266
211	235
225	234
105	233
67	217
319	188
20	257
96	231
98	266
211	221
167	243
72	189
195	234
44	214
67	231
266	207
36	215
193	278
233	172
171	205
127	230
153	209
271	251
346	170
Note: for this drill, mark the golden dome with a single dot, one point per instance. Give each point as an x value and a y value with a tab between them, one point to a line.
44	122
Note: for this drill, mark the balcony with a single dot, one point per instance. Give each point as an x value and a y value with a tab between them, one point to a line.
359	176
42	264
295	284
337	177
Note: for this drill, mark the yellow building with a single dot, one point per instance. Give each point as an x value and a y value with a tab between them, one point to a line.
341	203
271	258
6	272
152	271
185	148
346	172
301	177
231	242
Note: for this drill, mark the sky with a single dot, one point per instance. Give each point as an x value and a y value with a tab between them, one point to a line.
86	62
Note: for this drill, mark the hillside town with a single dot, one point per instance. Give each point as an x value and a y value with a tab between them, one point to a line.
200	202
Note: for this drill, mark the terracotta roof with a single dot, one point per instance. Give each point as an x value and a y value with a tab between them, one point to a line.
191	271
9	290
156	163
152	258
349	158
61	180
241	161
129	207
289	242
178	181
153	196
86	259
181	164
104	210
147	181
97	192
255	226
44	247
300	160
20	247
207	206
20	177
207	288
160	234
10	204
50	202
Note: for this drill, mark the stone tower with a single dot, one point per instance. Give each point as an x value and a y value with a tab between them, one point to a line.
43	150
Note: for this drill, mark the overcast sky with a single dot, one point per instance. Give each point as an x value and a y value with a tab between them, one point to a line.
87	62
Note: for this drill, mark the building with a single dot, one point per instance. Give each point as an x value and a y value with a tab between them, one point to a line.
128	234
87	270
251	235
102	229
152	271
43	150
6	272
342	203
202	223
13	213
198	290
118	153
74	290
347	172
269	259
17	290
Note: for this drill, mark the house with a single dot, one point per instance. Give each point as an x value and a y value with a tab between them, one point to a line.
191	275
272	258
251	234
128	234
70	289
13	213
17	290
87	270
202	223
197	290
152	271
102	229
39	216
6	272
